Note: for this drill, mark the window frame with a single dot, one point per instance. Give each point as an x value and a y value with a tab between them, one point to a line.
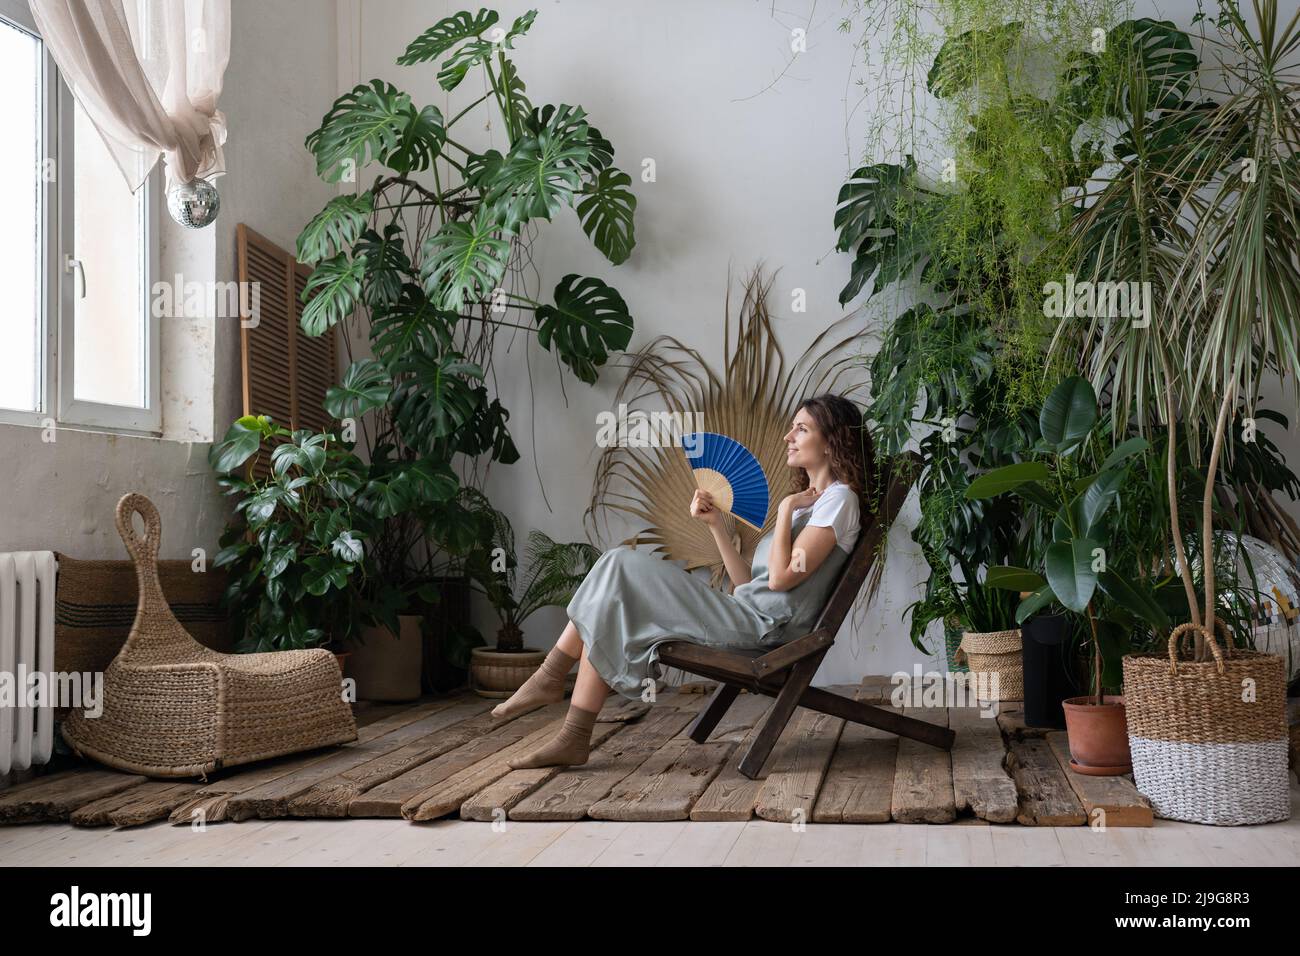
57	312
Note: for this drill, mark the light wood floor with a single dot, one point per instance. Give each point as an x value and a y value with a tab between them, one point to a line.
597	843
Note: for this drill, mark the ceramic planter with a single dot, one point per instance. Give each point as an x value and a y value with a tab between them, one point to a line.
1098	735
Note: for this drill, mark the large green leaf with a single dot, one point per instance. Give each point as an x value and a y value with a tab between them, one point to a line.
1068	414
433	397
388	266
368	122
1124	451
410	324
445	34
1154	54
464	261
365	386
1070	573
965	57
542	171
1001	480
588	319
1134	599
239	445
1013	578
1031	605
1098	498
606	212
335	228
419	141
487	432
332	292
871	209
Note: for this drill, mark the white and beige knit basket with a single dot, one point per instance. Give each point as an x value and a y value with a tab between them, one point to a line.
998	658
1209	739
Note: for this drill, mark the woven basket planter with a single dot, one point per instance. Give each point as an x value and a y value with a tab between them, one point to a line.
996	653
1201	752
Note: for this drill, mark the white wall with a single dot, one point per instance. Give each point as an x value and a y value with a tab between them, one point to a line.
749	162
61	495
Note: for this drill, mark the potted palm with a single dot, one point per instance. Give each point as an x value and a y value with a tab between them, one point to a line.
555	569
990	643
1074	572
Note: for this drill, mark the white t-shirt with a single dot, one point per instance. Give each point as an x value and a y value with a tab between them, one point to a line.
836	508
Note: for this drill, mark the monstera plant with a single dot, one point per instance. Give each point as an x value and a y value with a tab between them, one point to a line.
431	258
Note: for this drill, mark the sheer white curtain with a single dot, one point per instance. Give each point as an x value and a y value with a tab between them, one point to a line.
148	74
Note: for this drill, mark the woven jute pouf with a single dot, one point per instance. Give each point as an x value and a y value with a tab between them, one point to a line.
1209	739
1000	656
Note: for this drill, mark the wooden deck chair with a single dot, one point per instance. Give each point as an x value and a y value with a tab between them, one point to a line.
786	672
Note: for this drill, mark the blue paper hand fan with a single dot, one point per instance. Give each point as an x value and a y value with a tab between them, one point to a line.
730	473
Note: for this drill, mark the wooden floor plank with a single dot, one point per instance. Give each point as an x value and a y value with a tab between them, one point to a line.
451	727
859	783
448	796
667	785
569	795
980	781
1107	801
797	767
145	803
923	790
55	796
1045	796
463	750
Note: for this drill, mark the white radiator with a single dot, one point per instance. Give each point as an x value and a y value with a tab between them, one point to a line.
26	647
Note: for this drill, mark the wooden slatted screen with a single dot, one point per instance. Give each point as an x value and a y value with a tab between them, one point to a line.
286	372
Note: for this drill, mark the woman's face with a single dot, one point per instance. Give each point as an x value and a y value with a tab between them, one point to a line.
805	447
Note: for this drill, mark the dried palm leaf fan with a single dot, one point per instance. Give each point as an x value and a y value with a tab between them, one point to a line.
752	402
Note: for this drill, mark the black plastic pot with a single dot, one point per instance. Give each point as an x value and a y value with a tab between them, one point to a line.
1049	676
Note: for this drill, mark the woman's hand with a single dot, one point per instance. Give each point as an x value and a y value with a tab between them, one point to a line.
703	508
802	499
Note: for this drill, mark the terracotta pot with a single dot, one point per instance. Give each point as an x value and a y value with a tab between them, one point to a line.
494	673
1098	735
385	666
342	658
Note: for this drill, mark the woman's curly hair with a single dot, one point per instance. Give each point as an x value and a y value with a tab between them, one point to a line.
852	456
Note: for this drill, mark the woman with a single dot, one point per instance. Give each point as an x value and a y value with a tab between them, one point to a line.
630	602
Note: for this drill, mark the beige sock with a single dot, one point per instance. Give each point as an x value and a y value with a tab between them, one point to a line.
569	748
545	686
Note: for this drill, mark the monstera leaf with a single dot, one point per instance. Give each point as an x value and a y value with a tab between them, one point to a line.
869	216
378	122
335	228
332	292
464	261
588	319
433	397
958	63
543	170
606	212
445	34
365	386
387	265
412	323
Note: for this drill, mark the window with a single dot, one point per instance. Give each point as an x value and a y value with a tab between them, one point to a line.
78	253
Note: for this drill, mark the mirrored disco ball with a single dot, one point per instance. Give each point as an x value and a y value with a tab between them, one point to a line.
1271	602
194	205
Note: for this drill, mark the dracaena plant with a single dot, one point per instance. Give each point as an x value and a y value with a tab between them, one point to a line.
1077	502
433	257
